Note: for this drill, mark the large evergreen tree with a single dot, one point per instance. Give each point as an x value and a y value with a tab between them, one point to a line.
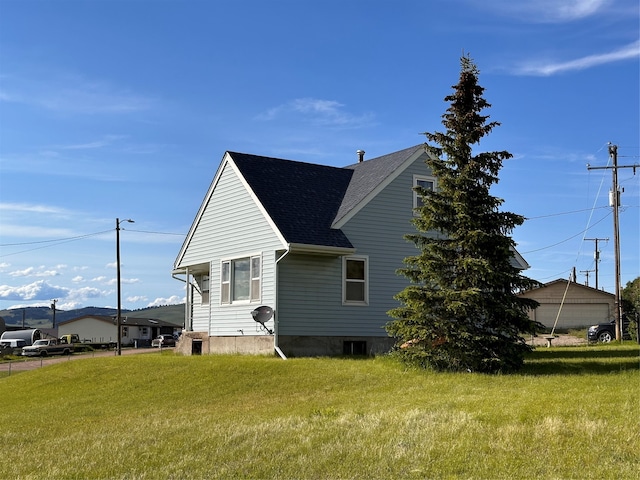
461	311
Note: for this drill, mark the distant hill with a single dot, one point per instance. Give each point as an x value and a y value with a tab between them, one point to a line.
42	317
169	313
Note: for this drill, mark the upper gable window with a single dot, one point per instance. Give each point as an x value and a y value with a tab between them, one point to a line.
428	183
355	273
240	280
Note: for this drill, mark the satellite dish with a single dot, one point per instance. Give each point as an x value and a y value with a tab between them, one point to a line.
262	315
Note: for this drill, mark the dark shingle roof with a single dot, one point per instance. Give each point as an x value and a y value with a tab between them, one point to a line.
301	198
369	174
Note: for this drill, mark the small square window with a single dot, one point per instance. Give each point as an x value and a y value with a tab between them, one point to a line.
427	183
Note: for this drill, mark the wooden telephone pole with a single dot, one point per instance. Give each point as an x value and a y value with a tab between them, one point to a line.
614	202
596	256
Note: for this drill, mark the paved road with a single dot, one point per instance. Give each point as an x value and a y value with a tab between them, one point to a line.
30	363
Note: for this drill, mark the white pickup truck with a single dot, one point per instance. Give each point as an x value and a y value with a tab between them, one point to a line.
47	346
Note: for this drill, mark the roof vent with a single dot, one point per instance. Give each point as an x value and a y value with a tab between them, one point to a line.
360	155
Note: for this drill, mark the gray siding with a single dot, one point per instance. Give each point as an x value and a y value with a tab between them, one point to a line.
310	300
378	231
231	226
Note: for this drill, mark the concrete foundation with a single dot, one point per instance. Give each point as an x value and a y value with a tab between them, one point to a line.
199	343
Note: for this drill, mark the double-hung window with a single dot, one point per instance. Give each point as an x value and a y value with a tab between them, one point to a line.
427	183
355	273
240	280
204	289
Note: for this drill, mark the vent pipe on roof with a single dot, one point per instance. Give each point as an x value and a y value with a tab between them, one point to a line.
360	156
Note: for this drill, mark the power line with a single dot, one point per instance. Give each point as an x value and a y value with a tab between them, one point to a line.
565	213
156	233
570	238
67	239
80	237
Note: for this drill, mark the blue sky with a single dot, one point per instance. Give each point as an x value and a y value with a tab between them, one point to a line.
124	109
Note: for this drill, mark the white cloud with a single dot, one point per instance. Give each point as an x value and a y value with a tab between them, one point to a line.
318	112
41	293
137	298
39	290
77	279
34	272
172	300
548	68
83	293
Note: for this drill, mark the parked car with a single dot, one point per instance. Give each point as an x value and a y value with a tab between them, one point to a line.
606	332
163	341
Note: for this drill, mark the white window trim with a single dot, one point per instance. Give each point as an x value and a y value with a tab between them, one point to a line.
425	178
365	259
230	301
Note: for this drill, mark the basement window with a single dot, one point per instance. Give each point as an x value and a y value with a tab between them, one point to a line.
354	347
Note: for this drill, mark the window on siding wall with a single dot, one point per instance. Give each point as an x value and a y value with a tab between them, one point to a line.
355	275
428	183
204	288
240	280
225	283
255	278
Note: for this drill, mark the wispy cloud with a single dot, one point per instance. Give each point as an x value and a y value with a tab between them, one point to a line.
106	141
32	208
318	112
73	94
548	11
545	68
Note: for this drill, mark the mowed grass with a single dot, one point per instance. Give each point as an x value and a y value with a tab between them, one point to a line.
571	413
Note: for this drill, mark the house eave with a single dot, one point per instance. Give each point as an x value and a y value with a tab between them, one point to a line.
319	249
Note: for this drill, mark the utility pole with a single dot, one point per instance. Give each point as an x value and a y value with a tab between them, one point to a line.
614	201
53	307
596	256
119	314
587	272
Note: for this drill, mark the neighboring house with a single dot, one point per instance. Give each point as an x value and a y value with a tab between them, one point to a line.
102	328
320	245
583	306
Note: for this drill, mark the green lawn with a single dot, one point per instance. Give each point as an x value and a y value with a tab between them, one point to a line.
571	413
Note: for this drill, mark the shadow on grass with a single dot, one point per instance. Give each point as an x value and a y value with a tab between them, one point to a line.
580	361
572	352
